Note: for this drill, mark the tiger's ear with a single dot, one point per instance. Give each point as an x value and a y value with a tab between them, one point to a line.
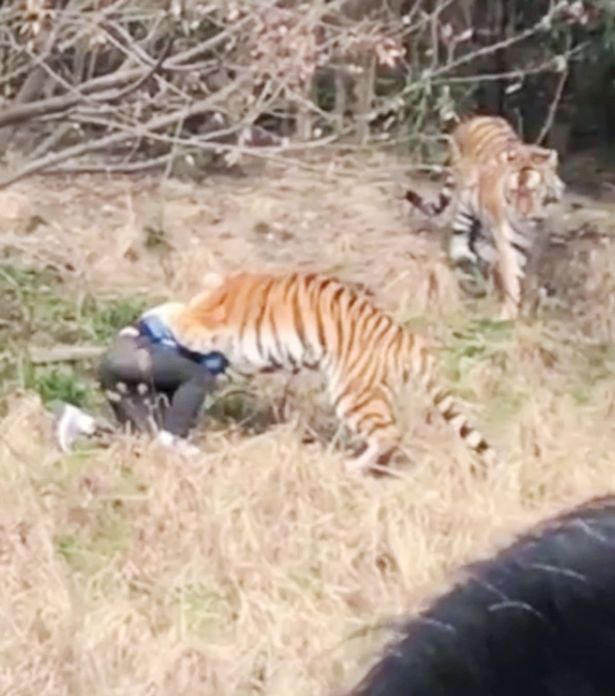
543	155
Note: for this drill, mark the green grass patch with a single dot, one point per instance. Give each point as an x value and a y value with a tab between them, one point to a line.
591	365
505	405
37	308
201	608
101	319
91	547
476	342
59	384
37	304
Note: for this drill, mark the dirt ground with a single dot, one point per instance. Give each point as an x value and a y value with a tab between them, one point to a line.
261	567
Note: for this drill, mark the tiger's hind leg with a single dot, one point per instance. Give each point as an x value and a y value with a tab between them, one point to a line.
369	413
377	454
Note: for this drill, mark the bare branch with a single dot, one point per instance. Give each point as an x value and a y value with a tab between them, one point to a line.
155	124
327	69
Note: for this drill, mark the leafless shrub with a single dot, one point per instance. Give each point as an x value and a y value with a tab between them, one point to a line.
144	84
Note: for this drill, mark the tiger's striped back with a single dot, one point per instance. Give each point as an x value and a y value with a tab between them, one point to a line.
483	140
473	143
296	320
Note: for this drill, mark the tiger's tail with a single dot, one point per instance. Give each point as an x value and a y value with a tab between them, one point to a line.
433	209
422	365
450	120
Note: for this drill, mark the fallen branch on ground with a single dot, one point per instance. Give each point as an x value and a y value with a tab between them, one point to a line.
63	353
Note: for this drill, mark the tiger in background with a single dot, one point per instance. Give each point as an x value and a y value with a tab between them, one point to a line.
265	322
501	189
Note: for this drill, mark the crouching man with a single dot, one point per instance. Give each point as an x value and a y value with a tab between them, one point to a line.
152	383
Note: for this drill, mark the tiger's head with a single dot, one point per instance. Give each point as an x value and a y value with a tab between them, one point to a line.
166	311
532	182
203	324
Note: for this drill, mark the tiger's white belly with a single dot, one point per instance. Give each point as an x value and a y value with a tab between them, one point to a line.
255	353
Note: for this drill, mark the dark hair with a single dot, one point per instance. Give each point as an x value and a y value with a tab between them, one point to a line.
537	619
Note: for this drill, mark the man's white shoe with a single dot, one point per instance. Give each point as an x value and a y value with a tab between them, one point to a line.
165	438
178	444
71	423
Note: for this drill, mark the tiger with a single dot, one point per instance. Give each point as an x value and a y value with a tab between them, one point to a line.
502	189
262	322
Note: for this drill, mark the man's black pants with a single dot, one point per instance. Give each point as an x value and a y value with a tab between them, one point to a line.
152	387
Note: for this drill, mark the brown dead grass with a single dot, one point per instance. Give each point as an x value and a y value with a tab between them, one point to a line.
261	568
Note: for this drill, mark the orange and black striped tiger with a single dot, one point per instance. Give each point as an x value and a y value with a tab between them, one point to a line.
263	322
501	189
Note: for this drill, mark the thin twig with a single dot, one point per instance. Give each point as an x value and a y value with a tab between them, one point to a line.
156	68
547	125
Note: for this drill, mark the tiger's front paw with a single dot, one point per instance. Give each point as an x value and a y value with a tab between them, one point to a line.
355	466
471	278
509	312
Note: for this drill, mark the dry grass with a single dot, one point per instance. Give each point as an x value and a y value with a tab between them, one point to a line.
262	568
